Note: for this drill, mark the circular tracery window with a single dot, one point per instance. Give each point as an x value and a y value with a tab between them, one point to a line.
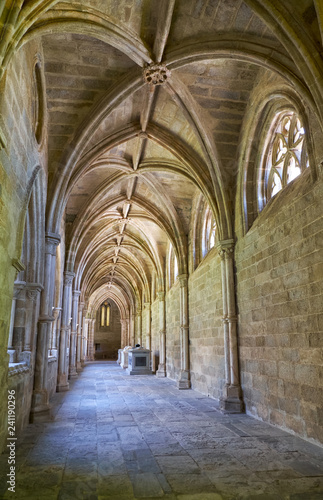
287	157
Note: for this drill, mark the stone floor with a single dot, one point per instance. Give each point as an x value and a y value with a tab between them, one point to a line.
114	436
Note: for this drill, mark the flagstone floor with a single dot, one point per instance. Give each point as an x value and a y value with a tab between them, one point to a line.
121	437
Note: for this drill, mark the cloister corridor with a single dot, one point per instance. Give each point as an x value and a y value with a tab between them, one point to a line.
114	436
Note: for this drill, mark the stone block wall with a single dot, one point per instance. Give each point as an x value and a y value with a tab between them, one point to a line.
21	380
206	331
19	156
173	361
280	301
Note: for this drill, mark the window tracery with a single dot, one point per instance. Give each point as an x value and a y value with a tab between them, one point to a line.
286	156
105	315
208	232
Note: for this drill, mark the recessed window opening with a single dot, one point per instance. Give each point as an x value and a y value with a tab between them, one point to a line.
286	156
105	314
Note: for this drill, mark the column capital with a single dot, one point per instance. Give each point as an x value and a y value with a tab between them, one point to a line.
161	296
68	277
225	247
33	289
52	240
182	278
18	287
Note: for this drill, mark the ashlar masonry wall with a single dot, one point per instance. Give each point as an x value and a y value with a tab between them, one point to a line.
173	360
206	331
19	156
280	301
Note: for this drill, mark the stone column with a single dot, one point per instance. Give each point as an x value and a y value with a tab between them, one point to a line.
91	339
40	409
54	339
161	371
148	325
184	381
123	333
62	375
139	327
79	343
17	289
72	357
132	331
85	338
31	311
127	332
231	400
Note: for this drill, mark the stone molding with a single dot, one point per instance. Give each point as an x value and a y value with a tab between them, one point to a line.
17	368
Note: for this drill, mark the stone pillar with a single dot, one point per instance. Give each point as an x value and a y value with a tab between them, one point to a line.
132	331
54	336
148	325
40	409
91	340
139	327
184	380
75	311
85	338
62	375
127	331
161	371
31	310
123	333
79	343
17	289
231	400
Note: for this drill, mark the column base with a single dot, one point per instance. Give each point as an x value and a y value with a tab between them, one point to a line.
79	366
82	363
73	373
62	384
161	371
62	388
183	381
232	402
40	410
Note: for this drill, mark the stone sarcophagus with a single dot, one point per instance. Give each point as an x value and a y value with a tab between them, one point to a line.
139	361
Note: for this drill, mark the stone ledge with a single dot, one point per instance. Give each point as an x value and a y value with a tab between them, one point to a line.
17	368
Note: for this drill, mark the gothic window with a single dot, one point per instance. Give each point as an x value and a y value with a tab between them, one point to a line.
172	267
38	102
209	232
286	156
105	315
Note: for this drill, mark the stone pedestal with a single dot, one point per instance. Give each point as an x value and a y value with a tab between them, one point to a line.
119	356
124	357
139	361
231	401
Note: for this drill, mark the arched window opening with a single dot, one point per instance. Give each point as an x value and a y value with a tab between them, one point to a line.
208	232
105	315
175	267
286	157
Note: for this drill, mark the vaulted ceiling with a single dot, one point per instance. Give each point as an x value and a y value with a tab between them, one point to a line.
127	158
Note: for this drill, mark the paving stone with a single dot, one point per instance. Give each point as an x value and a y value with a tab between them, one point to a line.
233	457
